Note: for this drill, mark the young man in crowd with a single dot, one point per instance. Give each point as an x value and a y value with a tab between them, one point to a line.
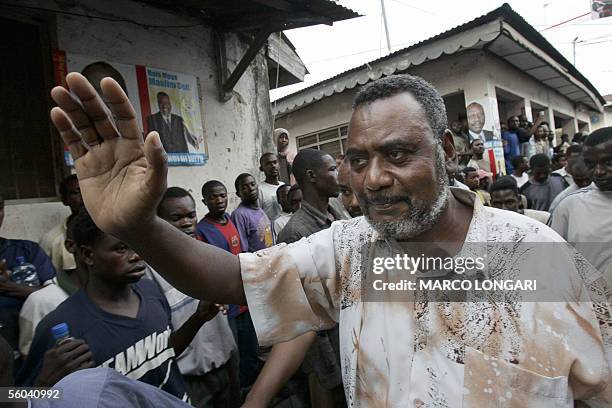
581	177
282	196
520	167
209	365
44	301
585	217
12	294
542	187
53	241
397	146
119	320
316	174
295	198
505	196
255	233
268	163
571	153
471	177
512	146
349	201
480	158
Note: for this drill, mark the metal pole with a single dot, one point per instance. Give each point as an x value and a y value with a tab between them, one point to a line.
574	47
382	5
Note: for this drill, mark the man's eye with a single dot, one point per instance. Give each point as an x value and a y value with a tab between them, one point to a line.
397	154
358	161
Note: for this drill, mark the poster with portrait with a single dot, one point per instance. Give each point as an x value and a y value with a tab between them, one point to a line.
165	101
483	124
601	9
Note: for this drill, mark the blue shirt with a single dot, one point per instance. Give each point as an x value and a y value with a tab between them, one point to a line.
139	348
512	148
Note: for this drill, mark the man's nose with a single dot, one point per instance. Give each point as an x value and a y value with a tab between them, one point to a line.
376	177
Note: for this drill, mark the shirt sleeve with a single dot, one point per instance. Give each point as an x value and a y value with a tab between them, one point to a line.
43	264
560	217
292	289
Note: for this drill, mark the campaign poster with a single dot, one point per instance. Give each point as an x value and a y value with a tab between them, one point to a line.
484	124
170	105
601	9
165	101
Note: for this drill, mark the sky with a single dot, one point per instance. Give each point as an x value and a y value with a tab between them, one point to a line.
329	50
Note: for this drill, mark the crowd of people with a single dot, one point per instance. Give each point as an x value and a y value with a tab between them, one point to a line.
286	348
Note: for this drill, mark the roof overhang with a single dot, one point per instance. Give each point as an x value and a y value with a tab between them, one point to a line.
494	32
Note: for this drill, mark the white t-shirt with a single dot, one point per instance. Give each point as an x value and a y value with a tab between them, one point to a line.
584	218
268	201
521	180
34	309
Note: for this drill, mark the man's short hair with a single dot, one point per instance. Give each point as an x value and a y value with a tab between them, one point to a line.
63	187
427	96
161	94
209	185
504	183
516	161
293	188
578	166
573	149
539	160
281	188
174	192
239	180
306	159
474	141
263	156
601	135
467	170
512	117
84	229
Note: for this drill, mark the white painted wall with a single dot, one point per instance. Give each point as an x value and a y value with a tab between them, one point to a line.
238	131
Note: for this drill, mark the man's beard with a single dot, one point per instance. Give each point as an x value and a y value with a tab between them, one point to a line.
421	216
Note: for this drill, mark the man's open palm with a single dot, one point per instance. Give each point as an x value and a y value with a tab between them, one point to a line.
121	178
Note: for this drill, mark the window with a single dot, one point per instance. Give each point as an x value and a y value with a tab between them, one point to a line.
332	141
28	151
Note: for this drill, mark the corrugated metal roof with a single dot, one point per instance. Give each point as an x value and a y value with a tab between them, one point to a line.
502	31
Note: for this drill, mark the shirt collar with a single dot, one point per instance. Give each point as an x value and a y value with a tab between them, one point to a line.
320	218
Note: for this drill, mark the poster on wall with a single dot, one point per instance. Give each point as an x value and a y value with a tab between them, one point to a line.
165	101
482	126
601	9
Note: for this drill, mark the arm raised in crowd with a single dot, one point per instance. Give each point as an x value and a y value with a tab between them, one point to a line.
123	178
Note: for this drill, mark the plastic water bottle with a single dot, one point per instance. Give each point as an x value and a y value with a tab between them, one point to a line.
25	273
61	334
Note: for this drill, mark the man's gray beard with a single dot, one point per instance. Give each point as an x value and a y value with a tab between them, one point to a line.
420	217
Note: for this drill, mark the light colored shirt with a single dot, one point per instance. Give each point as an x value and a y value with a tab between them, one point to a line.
563	173
280	223
211	346
573	187
521	180
268	201
36	306
458	184
405	354
53	245
541	216
584	218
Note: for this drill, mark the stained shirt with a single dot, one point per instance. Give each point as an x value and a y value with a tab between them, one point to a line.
439	354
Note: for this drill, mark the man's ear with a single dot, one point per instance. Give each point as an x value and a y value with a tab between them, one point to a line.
86	254
311	175
448	145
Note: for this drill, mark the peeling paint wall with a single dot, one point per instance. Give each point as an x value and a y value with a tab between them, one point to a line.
238	131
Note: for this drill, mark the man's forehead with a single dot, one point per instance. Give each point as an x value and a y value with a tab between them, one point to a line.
400	115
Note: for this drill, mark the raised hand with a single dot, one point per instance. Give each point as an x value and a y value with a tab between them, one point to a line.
122	179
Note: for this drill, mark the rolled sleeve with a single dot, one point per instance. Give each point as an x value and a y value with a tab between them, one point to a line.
292	289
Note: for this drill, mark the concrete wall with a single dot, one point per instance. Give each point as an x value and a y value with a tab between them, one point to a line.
476	73
238	131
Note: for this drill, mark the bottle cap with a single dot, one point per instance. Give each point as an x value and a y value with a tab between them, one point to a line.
20	260
59	330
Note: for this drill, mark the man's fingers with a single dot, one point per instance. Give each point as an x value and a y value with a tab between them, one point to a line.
157	165
93	106
70	135
125	115
68	346
73	108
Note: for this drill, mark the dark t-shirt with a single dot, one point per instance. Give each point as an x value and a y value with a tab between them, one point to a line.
541	195
138	347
